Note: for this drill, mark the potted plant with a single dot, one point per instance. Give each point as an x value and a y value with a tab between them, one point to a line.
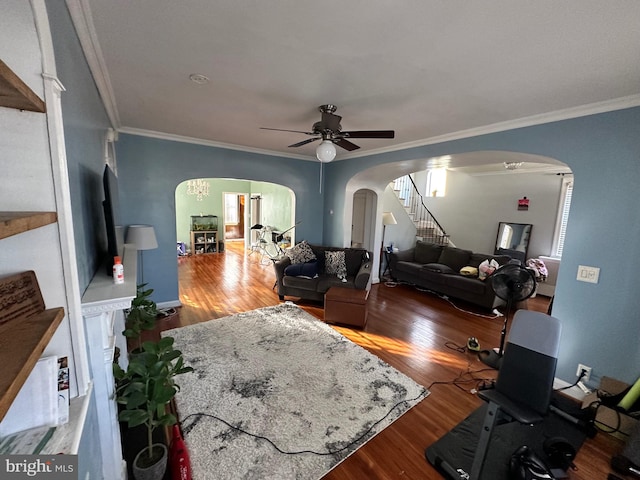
144	390
141	315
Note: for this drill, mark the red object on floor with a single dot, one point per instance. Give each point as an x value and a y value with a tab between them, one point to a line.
179	457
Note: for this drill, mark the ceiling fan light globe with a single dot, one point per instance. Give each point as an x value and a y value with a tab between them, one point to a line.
326	151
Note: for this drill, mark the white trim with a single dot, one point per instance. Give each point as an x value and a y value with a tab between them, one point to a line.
83	23
566	182
52	91
211	143
558	115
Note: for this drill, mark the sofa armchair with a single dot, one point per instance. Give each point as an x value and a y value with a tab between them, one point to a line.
437	268
310	278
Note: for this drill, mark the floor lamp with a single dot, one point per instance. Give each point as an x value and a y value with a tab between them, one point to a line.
387	219
143	237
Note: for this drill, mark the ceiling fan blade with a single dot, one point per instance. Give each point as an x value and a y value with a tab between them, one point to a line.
370	134
283	130
346	144
304	142
330	122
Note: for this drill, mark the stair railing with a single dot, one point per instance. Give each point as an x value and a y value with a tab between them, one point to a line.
427	226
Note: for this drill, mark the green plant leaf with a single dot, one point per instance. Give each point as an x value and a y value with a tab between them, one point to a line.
133	417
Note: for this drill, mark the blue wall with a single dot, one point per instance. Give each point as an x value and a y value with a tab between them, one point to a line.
601	322
150	169
85	125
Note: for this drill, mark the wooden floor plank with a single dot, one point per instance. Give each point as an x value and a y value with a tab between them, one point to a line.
415	331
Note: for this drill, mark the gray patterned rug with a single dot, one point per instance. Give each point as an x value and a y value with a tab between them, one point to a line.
280	374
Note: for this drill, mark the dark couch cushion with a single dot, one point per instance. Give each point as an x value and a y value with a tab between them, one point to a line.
426	252
438	268
301	282
430	278
325	282
308	269
411	268
353	258
471	285
456	258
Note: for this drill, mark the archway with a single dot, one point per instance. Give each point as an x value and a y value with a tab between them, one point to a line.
479	199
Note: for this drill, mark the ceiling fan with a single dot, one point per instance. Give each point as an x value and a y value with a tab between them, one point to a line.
329	130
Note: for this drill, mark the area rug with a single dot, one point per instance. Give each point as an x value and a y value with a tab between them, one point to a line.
278	394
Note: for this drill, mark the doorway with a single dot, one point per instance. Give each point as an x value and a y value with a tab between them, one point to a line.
362	220
234	216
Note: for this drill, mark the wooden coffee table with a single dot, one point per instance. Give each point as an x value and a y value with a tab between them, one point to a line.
346	306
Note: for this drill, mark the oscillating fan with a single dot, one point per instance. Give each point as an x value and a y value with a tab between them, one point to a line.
513	283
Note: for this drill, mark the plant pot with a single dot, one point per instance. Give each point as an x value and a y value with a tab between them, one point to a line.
156	470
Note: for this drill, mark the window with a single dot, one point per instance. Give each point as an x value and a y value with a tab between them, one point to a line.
436	182
563	217
507	235
231	208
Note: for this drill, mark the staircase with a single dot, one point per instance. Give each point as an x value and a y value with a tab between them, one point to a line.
427	227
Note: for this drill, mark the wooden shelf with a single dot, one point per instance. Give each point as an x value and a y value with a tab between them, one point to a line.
13	223
14	93
22	342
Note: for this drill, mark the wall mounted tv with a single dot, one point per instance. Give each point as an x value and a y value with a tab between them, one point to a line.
114	229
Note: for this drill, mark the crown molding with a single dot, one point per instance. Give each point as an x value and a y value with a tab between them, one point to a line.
558	115
83	23
549	117
211	143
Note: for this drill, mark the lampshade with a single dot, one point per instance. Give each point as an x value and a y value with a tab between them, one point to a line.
142	236
326	151
388	219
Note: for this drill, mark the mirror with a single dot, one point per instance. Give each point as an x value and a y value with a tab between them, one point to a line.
513	240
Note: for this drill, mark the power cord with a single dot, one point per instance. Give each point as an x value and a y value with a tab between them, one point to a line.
188	428
462	383
496	313
583	372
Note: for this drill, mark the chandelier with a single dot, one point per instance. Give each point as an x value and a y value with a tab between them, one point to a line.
199	188
512	165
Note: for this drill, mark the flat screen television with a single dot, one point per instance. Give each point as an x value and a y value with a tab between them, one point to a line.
114	229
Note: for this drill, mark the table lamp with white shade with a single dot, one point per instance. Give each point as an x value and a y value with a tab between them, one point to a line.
143	237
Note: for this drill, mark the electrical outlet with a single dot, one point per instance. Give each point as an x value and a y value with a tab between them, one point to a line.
588	274
587	375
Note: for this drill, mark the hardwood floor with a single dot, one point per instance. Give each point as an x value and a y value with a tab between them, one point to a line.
417	332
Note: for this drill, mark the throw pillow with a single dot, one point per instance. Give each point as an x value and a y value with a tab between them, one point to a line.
334	264
486	268
456	258
426	252
300	253
469	271
303	270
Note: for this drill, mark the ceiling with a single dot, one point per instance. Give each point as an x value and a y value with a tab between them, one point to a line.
430	70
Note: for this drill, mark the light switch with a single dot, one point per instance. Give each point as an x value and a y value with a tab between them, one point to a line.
588	274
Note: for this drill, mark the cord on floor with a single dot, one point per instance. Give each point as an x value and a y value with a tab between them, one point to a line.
285	452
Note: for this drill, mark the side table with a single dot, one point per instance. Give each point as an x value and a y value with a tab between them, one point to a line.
346	306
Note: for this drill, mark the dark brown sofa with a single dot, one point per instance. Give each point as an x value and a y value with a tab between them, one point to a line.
358	265
437	268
